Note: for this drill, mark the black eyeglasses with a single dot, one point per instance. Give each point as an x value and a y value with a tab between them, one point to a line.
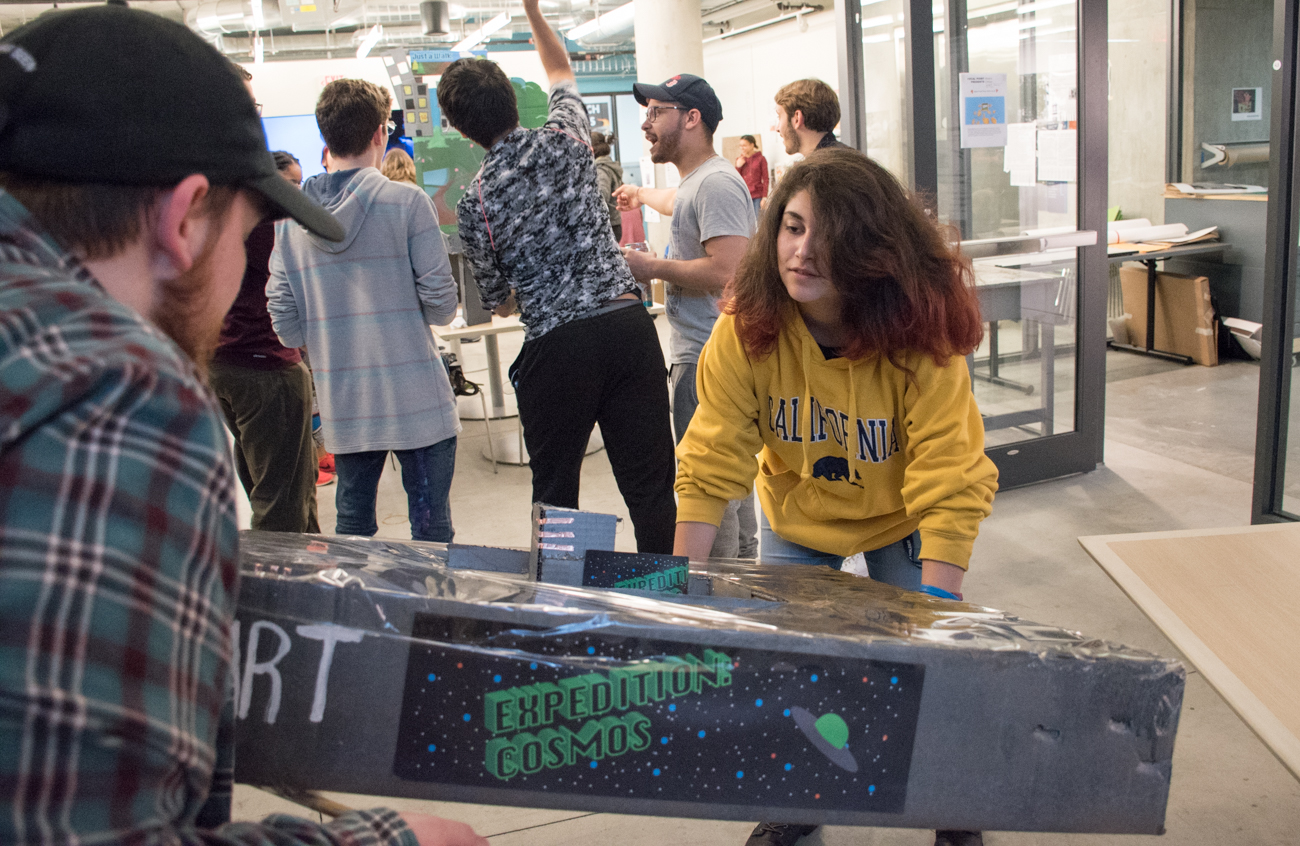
652	113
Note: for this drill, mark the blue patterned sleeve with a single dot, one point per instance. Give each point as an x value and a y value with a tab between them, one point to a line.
493	286
567	112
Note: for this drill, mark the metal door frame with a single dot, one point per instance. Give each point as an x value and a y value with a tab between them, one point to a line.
1280	267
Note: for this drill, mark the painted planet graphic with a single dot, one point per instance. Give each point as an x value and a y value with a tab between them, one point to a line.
829	734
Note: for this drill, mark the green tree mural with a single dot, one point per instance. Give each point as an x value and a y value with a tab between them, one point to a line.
446	162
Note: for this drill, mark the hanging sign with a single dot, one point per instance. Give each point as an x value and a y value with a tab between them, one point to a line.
983	109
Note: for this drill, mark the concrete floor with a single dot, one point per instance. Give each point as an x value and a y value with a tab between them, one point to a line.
1179	453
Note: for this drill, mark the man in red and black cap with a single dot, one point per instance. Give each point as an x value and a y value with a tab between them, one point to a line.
117	529
712	221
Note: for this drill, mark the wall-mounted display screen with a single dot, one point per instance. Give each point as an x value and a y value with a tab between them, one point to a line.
297	134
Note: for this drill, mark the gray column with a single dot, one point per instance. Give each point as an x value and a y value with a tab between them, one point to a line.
668	41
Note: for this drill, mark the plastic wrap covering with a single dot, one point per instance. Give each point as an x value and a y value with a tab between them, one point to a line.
763	692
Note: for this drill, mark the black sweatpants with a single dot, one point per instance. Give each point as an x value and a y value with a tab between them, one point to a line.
607	369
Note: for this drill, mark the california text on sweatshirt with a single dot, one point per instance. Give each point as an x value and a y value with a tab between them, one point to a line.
852	455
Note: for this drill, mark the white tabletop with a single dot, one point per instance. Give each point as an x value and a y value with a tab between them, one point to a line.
501	324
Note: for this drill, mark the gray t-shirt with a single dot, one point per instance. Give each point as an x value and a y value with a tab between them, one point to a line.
712	201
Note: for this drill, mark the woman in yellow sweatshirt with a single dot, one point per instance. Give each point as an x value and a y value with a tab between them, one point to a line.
839	362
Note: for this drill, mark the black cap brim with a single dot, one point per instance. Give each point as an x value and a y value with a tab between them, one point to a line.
644	93
287	200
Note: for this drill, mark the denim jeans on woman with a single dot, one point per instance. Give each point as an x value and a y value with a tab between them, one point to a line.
898	564
426	476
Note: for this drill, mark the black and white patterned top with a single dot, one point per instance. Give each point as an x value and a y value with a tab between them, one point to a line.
533	220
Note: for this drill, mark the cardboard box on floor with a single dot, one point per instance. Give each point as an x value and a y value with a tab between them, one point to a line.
1185	320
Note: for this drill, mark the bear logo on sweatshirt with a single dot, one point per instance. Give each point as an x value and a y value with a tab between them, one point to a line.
834	468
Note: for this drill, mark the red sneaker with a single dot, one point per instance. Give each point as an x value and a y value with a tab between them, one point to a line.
326	463
325	477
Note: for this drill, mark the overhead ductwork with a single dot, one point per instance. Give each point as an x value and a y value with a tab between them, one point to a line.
216	18
435	17
322	45
614	25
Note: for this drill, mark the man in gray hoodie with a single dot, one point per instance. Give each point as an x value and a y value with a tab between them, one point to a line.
363	308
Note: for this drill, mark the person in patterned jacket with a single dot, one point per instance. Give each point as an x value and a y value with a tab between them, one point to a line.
537	234
118	544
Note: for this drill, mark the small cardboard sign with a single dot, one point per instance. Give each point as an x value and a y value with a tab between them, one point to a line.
636	571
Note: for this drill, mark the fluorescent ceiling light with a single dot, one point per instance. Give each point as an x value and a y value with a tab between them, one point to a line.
1034	23
1043	4
368	43
481	34
879	20
259	17
879	38
259	52
612	21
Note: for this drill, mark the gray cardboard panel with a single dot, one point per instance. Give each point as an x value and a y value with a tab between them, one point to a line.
792	693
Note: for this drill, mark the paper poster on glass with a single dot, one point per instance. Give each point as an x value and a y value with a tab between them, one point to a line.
1246	104
983	110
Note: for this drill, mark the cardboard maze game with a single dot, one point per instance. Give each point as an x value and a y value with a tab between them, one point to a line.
748	692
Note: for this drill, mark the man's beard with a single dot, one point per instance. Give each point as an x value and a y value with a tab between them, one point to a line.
182	311
790	139
668	144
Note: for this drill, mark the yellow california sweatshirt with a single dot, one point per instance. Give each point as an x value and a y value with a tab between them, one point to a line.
852	455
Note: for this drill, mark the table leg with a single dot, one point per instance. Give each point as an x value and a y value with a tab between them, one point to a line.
993	378
500	404
1151	305
1048	358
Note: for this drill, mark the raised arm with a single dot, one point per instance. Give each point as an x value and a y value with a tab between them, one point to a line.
632	197
555	59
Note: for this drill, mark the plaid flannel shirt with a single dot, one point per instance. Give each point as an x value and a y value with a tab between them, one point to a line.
118	572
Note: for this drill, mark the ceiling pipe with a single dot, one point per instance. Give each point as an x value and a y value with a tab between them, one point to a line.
223	17
435	17
611	26
304	45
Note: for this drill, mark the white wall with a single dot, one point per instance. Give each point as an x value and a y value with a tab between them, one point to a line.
1139	44
746	72
291	88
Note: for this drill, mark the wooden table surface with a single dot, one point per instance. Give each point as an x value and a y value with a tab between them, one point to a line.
1230	600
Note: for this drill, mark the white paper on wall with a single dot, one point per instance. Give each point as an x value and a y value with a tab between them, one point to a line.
1020	157
1057	155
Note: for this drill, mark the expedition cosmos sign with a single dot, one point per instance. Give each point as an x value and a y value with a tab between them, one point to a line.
537	705
597	713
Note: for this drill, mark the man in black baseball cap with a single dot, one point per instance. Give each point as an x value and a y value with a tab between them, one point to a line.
116	96
686	90
713	219
132	168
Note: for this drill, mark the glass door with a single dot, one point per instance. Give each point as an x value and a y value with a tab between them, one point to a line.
994	112
1277	441
1019	93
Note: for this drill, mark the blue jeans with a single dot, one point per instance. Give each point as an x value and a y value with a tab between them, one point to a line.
898	564
758	206
426	476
